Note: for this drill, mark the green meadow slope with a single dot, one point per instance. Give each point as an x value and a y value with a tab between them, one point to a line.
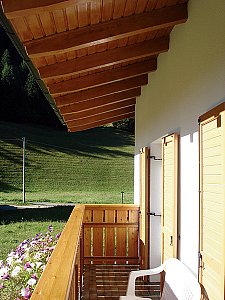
86	167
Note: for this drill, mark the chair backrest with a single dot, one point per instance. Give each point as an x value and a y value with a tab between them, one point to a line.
180	282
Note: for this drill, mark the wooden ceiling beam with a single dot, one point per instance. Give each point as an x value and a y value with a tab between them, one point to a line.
102	122
97	102
98	110
15	8
106	89
100	78
102	116
106	58
108	31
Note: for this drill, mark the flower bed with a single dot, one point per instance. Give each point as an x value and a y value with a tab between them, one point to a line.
23	267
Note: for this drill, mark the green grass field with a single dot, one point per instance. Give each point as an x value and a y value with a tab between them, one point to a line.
20	224
87	167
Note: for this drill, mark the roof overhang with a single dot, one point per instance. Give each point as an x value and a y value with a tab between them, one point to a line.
92	57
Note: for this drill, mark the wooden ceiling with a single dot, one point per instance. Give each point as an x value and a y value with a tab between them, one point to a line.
94	55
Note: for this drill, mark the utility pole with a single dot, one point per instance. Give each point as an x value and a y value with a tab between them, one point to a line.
24	149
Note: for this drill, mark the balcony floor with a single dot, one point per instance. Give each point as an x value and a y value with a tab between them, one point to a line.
108	282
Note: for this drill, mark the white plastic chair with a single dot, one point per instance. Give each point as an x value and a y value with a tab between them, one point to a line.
180	283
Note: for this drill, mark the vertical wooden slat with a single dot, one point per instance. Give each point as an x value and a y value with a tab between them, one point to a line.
98	233
133	234
169	199
144	207
121	233
109	234
87	233
212	204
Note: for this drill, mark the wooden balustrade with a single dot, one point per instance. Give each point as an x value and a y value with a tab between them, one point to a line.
61	277
111	234
94	234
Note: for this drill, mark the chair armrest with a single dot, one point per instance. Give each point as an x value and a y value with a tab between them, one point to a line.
134	274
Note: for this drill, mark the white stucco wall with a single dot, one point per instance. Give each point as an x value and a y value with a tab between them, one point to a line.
190	80
155	206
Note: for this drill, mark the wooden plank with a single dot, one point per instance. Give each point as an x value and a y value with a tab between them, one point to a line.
100	78
97	234
99	110
97	102
110	233
107	89
107	10
112	207
107	31
22	29
87	233
108	225
102	116
121	238
133	241
14	8
106	58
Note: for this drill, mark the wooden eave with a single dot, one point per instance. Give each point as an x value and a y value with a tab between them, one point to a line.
92	55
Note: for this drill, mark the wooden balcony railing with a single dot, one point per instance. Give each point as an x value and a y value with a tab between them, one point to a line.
61	277
94	234
111	234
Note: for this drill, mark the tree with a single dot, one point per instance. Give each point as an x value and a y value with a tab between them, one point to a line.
126	124
21	99
7	69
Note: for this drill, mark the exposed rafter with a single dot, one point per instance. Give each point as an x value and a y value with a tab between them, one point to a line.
101	122
102	90
100	78
97	102
106	58
107	31
102	116
99	110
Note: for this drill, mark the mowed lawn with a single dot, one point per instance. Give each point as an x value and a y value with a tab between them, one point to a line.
93	166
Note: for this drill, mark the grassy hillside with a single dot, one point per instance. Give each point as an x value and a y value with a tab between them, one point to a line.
92	166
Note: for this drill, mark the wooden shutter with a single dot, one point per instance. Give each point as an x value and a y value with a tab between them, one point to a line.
169	196
144	208
212	203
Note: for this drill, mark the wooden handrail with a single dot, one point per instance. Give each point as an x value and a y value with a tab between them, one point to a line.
57	280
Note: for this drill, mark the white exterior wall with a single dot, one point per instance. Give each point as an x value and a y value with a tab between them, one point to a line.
189	81
155	206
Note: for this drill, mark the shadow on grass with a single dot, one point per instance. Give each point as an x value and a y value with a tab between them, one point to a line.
89	143
12	214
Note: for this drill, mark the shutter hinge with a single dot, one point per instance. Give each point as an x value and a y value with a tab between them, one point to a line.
154	158
200	262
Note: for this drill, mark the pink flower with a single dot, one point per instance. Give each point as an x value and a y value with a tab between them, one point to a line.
27	265
34	276
5	276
